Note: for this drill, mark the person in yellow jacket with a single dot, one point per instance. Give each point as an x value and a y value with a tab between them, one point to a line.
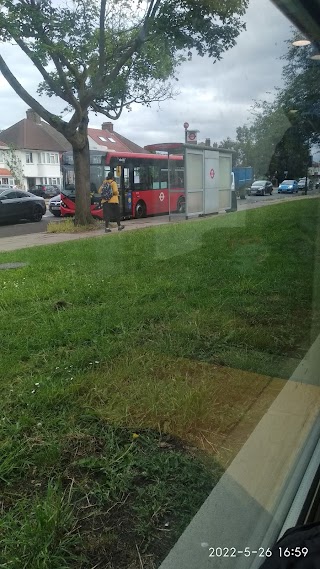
111	208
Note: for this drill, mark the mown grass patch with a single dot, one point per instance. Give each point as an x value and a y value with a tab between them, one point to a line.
123	360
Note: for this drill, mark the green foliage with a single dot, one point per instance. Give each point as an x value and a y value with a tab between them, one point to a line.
278	146
270	143
280	132
111	54
301	92
14	164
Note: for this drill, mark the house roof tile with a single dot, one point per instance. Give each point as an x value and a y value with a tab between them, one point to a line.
5	172
113	141
32	136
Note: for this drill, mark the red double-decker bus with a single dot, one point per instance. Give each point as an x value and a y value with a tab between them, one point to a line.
143	180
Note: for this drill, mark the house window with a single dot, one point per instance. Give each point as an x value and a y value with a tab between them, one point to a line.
111	139
39	158
103	138
56	158
52	160
29	158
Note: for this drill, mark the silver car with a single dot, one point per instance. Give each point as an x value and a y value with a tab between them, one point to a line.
302	184
54	205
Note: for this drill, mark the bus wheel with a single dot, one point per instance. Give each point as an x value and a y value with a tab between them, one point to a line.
181	205
141	210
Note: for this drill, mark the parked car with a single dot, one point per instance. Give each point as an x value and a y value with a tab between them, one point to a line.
288	186
260	188
302	184
45	191
17	204
54	205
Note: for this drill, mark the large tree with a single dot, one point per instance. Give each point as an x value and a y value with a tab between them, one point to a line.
300	94
104	55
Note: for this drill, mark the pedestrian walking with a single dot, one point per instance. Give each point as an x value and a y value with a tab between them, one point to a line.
111	207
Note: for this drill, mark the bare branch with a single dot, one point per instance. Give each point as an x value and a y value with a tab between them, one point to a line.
41	69
53	120
72	99
129	50
58	60
102	36
106	112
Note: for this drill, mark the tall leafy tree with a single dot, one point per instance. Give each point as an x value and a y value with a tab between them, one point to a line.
273	141
300	94
104	55
233	145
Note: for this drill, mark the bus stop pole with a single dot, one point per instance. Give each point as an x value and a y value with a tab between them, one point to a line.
169	193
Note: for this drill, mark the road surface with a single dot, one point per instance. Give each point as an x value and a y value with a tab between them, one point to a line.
27	228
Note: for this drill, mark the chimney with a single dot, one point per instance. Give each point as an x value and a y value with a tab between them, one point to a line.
33	116
208	142
107	126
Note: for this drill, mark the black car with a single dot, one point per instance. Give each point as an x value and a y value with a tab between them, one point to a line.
45	191
17	204
260	188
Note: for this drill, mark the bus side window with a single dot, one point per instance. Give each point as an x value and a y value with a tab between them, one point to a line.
156	177
143	178
163	179
179	178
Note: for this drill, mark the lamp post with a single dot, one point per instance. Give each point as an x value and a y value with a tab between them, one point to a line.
185	126
307	169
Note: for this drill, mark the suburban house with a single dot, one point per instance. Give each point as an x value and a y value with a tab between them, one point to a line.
5	174
38	147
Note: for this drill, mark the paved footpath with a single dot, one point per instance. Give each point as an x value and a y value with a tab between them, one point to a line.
38	239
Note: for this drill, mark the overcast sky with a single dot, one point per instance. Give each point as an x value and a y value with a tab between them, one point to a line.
214	99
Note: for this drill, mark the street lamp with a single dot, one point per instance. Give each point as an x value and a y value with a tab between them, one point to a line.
302	42
185	126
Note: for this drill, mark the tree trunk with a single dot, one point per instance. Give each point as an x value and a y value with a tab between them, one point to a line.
81	159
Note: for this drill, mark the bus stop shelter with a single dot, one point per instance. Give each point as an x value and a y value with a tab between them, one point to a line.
207	178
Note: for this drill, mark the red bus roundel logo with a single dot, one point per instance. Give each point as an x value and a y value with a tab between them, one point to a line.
192	136
212	173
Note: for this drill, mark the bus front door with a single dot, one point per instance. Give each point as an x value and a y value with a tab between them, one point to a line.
125	193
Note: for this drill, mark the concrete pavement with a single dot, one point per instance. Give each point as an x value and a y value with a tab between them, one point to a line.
38	239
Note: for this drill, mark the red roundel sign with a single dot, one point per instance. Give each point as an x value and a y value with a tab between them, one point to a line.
212	173
192	136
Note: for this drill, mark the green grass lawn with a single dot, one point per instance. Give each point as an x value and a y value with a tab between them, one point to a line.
120	357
